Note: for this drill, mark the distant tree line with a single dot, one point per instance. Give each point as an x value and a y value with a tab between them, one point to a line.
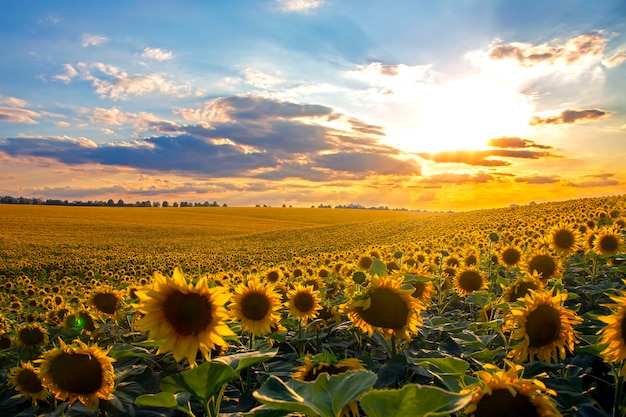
101	203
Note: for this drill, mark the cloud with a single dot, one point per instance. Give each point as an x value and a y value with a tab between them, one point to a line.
572	52
570	116
514	142
437	180
615	60
69	74
259	79
391	79
115	117
537	179
299	5
12	109
89	39
256	137
115	83
480	158
157	54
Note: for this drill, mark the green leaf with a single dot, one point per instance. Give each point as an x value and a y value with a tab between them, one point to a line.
378	267
413	400
449	371
244	360
202	382
165	400
324	397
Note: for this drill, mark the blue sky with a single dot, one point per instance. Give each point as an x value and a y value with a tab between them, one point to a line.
426	105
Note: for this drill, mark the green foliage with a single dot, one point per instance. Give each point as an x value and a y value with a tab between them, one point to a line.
413	400
325	397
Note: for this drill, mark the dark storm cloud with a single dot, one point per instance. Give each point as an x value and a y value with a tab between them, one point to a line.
248	137
569	117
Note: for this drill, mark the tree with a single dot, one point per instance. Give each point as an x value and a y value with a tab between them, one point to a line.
120	202
165	204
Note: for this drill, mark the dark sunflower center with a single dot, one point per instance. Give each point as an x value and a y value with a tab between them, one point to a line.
501	403
29	381
330	369
31	336
419	289
272	276
544	265
365	262
543	326
303	302
511	256
623	329
76	373
608	243
470	281
471	260
105	302
188	314
255	306
521	289
387	310
563	239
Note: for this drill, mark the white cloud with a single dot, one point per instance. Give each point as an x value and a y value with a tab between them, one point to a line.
12	110
62	124
615	60
89	39
299	5
69	74
259	79
115	117
157	53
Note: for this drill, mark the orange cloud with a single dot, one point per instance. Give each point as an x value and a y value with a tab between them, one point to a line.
570	116
537	179
479	158
514	142
572	52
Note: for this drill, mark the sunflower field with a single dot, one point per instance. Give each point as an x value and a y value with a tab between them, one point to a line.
146	312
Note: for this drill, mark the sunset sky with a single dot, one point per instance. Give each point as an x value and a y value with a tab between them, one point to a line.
437	105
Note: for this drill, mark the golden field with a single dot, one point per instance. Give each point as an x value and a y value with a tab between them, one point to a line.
278	300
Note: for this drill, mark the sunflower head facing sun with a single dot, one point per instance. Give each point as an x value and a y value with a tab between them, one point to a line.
613	335
186	317
256	306
520	287
303	302
78	373
468	280
385	307
325	362
564	239
543	327
25	380
503	392
609	241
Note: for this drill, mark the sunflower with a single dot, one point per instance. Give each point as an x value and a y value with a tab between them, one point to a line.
613	335
544	326
187	317
256	306
105	299
385	307
564	239
546	265
303	302
468	280
78	373
609	241
510	256
420	279
81	320
325	362
25	380
520	287
32	335
501	392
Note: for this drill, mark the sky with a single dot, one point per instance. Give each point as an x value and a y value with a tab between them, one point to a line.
426	105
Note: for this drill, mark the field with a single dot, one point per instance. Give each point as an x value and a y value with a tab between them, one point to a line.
116	311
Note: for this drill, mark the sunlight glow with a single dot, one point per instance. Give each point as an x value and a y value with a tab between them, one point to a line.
463	115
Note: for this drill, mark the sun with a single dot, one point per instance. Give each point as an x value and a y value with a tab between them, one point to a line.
461	115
